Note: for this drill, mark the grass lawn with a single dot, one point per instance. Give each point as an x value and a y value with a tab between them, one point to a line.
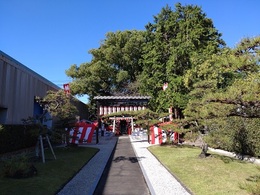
52	175
214	175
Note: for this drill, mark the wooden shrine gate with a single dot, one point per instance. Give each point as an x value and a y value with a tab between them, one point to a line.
122	125
113	104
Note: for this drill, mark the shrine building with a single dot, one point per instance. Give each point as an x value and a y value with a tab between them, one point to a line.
113	104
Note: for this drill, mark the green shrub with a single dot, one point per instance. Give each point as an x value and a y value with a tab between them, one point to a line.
220	136
17	137
254	136
56	135
19	167
191	136
236	134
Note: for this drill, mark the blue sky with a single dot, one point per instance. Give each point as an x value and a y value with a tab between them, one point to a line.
48	36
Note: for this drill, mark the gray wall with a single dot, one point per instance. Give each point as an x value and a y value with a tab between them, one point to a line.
18	87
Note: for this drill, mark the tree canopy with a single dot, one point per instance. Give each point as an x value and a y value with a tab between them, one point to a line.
59	105
113	68
178	41
228	84
139	62
215	88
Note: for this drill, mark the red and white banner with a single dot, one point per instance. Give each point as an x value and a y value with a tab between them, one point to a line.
66	88
156	135
82	133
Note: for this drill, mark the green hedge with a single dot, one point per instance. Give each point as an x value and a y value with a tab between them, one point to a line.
235	134
17	137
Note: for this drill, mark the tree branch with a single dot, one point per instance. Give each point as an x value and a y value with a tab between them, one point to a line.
254	104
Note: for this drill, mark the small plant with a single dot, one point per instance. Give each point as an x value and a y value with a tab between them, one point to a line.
19	167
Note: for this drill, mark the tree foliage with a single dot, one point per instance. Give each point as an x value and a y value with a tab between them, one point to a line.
228	84
212	85
177	42
59	105
226	97
139	62
113	68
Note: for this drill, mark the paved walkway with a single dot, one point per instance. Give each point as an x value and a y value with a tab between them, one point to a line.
123	166
123	175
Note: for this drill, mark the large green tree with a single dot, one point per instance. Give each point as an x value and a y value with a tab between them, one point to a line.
139	62
113	68
230	79
226	98
177	42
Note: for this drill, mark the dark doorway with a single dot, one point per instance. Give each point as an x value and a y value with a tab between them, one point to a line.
123	127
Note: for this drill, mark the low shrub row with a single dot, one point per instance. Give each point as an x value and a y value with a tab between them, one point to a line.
235	134
17	137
